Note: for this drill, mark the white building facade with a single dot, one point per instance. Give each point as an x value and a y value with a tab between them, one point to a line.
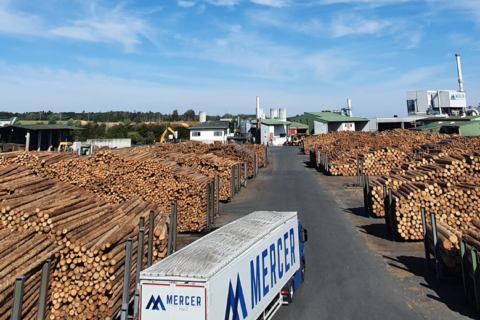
274	132
211	132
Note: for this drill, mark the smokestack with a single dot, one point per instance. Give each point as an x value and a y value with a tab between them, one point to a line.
258	107
460	73
349	107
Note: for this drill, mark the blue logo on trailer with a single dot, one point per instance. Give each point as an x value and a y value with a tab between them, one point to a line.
154	303
233	299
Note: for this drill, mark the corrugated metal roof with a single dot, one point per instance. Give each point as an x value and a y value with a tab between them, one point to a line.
205	257
42	127
274	121
333	117
434	125
212	125
298	125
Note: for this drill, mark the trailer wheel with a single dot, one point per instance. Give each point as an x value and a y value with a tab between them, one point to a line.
303	270
291	291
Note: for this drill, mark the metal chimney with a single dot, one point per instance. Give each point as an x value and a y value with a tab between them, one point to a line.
349	107
258	107
460	73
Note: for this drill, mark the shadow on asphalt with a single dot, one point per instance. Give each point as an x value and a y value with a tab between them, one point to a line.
376	229
449	292
358	211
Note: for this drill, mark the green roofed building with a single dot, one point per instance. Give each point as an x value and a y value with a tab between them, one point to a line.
327	121
467	126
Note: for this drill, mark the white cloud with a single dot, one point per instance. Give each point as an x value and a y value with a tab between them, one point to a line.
186	4
223	2
348	24
32	89
19	23
110	26
415	40
272	3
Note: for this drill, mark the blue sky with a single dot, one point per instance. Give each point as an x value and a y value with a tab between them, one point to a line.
218	55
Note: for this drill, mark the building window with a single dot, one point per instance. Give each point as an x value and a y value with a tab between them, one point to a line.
217	133
300	120
195	133
306	122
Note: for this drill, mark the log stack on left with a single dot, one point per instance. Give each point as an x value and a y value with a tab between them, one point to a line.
83	235
116	179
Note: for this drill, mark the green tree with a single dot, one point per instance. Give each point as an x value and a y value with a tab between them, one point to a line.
117	132
52	120
136	137
143	130
189	115
175	115
71	122
150	137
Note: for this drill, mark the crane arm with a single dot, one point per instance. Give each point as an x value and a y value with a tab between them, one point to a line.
162	140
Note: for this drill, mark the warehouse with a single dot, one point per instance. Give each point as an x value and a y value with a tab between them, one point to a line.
327	121
298	128
210	132
35	137
274	131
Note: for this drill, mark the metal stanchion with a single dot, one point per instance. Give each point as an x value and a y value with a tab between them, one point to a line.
42	300
170	231
218	194
141	244
126	279
18	299
208	206
246	174
175	231
150	239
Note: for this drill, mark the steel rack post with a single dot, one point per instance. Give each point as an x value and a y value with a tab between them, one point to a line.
42	300
126	279
141	244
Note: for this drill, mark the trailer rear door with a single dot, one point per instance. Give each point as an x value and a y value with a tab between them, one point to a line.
163	300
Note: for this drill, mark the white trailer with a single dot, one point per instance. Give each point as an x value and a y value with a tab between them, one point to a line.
244	270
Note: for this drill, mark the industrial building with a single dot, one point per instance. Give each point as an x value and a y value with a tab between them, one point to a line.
327	121
274	131
465	126
298	128
210	132
35	137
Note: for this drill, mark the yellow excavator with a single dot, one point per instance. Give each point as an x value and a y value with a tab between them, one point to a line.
162	140
63	146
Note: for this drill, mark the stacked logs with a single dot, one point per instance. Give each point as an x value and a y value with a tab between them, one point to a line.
206	164
116	179
84	236
210	166
379	152
232	152
449	244
258	149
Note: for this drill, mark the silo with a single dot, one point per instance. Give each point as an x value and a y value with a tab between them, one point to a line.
203	117
273	113
283	114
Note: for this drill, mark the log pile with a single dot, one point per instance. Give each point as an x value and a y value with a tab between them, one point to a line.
232	152
85	236
206	164
117	179
379	152
258	149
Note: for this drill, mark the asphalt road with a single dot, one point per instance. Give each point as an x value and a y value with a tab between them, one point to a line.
344	279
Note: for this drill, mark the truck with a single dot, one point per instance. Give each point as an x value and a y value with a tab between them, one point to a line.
245	270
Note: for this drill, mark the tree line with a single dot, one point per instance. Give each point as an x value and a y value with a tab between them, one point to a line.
112	116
